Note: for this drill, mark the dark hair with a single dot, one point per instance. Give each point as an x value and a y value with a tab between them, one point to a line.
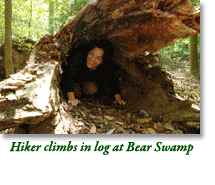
111	53
107	46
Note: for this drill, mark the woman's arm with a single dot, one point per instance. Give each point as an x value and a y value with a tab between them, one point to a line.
71	95
70	73
114	84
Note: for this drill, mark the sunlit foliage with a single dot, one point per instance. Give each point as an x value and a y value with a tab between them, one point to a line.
31	18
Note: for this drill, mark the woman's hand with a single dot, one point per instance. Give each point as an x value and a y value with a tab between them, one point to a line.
119	100
74	102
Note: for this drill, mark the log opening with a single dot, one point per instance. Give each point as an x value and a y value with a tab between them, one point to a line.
139	28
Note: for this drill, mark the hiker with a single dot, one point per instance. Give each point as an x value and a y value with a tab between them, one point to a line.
91	69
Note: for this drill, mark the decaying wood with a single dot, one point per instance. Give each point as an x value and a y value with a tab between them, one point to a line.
138	28
34	98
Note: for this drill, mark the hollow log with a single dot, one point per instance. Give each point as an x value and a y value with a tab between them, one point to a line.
138	28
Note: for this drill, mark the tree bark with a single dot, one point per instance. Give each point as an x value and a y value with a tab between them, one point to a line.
8	38
51	17
194	66
138	28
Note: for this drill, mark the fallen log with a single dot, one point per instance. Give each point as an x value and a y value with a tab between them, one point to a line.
29	98
138	28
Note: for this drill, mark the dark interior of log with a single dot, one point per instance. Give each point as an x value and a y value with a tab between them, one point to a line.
151	72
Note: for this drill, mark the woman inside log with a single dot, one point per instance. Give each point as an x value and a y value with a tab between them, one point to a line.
91	69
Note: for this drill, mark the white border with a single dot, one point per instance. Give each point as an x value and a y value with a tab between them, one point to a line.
123	167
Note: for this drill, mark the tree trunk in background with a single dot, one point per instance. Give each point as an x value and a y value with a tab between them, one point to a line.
31	10
194	67
21	50
51	17
8	38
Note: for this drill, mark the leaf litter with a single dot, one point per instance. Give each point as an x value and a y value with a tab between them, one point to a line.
97	118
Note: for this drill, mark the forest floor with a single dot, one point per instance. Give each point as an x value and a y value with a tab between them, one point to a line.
187	86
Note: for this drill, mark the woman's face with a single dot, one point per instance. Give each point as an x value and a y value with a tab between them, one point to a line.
95	58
